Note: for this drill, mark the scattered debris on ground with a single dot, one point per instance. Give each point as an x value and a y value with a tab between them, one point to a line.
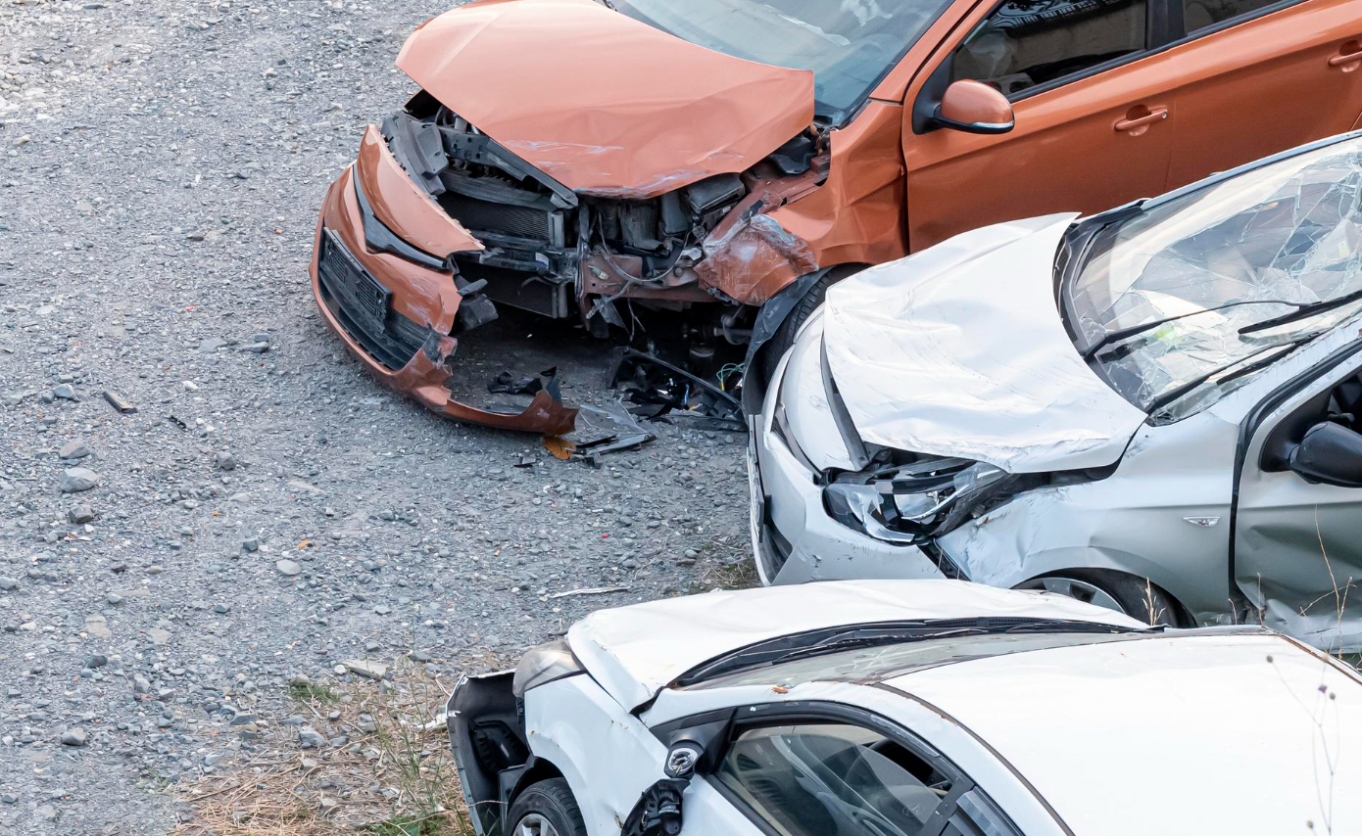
661	389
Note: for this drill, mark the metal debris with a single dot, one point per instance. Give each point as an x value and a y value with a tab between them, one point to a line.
590	590
118	402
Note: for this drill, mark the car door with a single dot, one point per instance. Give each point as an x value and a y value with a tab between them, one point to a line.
806	770
1255	77
1093	119
1297	548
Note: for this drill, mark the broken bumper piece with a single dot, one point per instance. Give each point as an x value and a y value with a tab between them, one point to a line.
397	311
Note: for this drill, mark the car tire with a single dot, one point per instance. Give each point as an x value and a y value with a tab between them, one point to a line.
546	809
1136	597
784	337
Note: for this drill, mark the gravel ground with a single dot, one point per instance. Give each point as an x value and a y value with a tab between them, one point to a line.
268	511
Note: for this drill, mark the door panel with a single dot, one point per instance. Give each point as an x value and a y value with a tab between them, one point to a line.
1083	145
1264	85
1298	546
1066	154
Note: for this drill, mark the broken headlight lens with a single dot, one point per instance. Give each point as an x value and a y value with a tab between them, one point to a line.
544	664
913	502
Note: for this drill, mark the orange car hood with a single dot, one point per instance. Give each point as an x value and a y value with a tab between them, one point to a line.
602	103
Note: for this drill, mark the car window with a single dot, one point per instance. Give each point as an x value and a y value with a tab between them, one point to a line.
1024	43
820	779
1202	14
977	815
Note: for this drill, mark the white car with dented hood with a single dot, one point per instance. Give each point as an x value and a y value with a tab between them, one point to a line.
908	708
1157	409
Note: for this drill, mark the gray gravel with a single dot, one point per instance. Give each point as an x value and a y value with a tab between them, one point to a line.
201	495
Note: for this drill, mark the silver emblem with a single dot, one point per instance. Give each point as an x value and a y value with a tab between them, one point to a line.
1202	522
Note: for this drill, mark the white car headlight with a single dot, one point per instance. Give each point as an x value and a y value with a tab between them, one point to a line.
911	502
544	664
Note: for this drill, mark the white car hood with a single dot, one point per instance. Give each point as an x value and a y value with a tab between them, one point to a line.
959	350
636	651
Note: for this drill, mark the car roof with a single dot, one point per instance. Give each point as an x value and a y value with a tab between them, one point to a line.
1193	732
635	651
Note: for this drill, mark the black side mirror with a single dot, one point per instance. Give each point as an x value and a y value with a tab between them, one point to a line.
1330	454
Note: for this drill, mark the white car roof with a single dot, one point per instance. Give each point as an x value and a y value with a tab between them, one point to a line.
959	350
636	651
1194	733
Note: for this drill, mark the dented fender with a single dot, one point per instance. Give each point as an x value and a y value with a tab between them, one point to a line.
750	257
403	206
607	756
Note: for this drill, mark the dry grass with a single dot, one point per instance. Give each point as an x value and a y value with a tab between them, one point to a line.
741	574
727	565
394	777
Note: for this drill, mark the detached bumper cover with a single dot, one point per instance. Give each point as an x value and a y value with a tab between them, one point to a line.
397	316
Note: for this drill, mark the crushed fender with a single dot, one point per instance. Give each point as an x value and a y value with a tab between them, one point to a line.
753	258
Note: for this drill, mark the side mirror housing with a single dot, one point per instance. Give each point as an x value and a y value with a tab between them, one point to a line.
1331	454
974	107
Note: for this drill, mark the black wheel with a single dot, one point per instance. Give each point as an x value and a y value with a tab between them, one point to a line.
546	809
1135	597
784	337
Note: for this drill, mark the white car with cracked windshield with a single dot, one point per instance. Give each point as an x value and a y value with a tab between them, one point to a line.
908	708
1155	409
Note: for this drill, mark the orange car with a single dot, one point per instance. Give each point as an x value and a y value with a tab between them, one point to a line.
572	157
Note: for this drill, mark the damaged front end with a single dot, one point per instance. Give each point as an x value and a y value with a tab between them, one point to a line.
402	308
908	498
582	254
437	224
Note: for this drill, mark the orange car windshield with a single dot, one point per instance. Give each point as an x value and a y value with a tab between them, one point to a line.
849	45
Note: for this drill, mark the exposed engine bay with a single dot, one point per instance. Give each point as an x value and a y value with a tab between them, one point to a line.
563	254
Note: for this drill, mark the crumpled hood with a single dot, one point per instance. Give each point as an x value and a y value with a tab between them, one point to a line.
959	350
602	103
635	651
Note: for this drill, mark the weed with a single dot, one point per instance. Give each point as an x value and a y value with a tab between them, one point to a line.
304	691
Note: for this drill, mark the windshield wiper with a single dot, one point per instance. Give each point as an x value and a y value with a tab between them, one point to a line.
1181	391
838	639
1136	330
1303	311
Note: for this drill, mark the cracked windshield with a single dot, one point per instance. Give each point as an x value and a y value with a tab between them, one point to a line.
1181	303
849	45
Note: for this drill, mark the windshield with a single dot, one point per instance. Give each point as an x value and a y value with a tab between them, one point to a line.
1165	302
848	44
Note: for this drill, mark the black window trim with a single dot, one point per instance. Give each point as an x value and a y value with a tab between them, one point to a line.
1164	30
765	715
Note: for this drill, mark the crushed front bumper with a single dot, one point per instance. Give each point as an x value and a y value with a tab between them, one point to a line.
395	315
795	539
